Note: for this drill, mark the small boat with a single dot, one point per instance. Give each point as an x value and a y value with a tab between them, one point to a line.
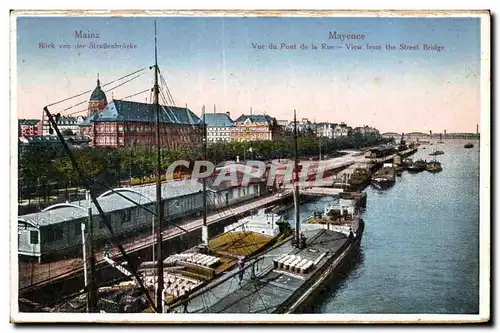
434	166
468	145
359	179
262	222
417	166
437	152
385	176
340	215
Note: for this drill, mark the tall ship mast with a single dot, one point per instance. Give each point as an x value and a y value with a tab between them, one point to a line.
296	194
159	204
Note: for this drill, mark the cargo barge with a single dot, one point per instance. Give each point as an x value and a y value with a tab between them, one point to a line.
289	277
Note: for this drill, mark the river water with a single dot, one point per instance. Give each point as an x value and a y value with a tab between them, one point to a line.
420	248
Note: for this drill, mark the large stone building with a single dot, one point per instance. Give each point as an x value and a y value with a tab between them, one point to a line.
67	125
255	127
304	127
366	130
219	126
125	123
332	130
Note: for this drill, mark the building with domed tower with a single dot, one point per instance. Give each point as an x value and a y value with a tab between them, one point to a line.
122	123
97	102
79	125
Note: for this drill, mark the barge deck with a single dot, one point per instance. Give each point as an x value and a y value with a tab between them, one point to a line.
268	286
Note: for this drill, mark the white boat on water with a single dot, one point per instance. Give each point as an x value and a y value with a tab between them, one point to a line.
341	216
261	222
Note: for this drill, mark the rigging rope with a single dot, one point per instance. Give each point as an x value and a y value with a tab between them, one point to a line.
86	109
86	92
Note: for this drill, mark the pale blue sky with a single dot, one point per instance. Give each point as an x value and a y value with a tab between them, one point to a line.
212	61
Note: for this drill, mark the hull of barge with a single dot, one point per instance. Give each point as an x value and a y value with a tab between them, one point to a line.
276	290
312	291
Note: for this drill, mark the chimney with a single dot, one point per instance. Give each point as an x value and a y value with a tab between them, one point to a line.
214	108
228	114
250	110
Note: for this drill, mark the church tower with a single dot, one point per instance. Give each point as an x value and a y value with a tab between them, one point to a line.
97	99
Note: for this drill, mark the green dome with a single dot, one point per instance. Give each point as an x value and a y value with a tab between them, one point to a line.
98	94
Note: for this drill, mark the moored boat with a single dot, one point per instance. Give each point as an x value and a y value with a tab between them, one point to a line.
401	164
434	166
359	178
436	152
417	166
262	222
386	176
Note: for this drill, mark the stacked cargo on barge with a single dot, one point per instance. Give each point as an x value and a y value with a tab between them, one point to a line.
286	278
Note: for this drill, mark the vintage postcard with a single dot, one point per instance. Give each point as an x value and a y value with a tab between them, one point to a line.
250	166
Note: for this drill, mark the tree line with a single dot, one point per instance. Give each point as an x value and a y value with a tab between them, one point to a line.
42	164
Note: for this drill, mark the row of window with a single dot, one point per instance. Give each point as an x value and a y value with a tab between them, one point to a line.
251	129
219	134
107	140
114	140
141	128
56	233
218	129
219	139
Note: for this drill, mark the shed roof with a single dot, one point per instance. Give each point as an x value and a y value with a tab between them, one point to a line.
114	202
218	120
255	118
29	122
